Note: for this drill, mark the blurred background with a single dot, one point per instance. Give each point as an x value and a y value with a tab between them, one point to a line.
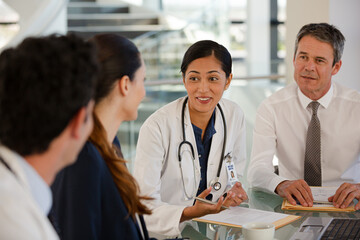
259	34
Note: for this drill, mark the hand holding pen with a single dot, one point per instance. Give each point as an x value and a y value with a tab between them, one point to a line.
202	207
210	202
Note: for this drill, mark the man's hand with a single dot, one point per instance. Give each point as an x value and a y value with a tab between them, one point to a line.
296	189
235	196
345	194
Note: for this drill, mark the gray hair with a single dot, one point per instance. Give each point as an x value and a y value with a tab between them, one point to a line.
323	32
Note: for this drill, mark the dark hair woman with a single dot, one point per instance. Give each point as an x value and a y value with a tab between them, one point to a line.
184	145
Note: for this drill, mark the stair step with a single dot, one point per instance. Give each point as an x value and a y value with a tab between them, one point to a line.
129	31
134	28
75	20
112	15
93	7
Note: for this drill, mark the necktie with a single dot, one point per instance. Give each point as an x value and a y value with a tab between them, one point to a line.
312	164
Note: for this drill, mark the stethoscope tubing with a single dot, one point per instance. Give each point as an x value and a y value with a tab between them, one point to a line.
192	148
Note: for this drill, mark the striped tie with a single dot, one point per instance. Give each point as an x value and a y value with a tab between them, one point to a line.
312	164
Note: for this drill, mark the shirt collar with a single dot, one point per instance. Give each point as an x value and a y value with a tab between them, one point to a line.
209	131
324	101
39	190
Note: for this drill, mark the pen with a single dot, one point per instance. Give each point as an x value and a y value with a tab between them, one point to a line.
209	202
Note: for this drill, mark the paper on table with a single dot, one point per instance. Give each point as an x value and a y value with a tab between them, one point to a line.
317	207
322	194
321	203
238	216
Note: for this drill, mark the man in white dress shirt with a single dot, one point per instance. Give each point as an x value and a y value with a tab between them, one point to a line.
282	123
46	92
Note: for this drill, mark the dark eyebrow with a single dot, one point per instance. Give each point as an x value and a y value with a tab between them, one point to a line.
303	53
317	57
213	71
193	71
322	58
209	72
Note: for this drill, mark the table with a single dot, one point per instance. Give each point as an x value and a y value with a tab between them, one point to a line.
263	201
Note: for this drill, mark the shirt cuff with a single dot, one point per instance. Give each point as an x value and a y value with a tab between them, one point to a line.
274	183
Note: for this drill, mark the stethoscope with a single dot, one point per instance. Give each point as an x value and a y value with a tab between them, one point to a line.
215	184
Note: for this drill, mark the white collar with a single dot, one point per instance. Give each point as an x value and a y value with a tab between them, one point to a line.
324	100
39	190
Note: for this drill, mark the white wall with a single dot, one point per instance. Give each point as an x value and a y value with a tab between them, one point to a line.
345	15
39	17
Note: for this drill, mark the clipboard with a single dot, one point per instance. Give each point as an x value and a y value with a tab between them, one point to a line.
226	218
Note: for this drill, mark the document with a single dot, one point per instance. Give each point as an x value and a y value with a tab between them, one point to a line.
321	203
321	194
238	216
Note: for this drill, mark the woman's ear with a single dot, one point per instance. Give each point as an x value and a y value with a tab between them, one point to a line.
124	85
228	81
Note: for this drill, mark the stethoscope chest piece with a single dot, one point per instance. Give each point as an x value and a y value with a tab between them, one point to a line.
217	186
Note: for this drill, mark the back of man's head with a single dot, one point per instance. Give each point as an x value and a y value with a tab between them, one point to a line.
43	83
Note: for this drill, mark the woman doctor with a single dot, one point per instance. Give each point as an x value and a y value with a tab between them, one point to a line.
190	146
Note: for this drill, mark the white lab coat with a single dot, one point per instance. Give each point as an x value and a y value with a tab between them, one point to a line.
20	217
157	166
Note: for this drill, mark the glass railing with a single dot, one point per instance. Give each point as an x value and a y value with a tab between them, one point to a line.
248	92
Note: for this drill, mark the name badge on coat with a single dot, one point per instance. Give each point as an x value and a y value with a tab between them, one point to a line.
231	171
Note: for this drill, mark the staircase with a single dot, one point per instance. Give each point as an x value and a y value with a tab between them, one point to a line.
147	29
162	49
87	18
